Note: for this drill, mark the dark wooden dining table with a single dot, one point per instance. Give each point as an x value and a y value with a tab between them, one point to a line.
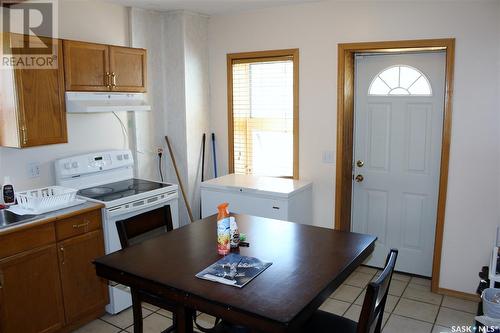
308	264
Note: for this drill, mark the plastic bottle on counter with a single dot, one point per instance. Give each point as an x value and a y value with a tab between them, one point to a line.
223	230
235	234
8	195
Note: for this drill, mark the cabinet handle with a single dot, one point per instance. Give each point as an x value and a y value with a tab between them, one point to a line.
24	134
113	79
1	280
62	255
107	80
81	225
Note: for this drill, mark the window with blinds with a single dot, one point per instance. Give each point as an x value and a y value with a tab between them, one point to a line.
263	113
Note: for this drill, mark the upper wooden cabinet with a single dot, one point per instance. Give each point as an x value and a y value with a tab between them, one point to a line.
97	67
32	106
87	66
128	69
32	101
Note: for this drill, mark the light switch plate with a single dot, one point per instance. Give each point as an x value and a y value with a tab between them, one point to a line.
33	169
328	157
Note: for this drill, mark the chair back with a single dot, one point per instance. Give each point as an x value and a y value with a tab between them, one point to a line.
370	319
148	225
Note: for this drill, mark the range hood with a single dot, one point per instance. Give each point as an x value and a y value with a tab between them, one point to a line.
93	102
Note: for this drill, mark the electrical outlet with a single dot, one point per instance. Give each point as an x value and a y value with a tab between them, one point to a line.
34	169
328	157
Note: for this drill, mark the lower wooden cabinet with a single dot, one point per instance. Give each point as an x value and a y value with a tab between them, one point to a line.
82	289
30	293
52	287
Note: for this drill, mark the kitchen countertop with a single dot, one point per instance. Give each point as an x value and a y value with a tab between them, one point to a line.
51	217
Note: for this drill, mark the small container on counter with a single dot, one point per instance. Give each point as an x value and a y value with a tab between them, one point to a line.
8	195
235	234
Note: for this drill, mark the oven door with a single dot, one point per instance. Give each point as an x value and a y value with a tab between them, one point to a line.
119	295
157	210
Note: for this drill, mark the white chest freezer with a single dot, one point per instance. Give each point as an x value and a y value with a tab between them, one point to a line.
276	198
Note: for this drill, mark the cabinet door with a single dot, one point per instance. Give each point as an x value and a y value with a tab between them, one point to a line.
30	292
86	66
41	106
83	291
128	69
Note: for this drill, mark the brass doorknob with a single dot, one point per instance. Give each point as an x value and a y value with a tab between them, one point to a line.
360	163
359	178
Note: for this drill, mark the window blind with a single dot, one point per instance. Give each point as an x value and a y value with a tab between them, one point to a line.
263	115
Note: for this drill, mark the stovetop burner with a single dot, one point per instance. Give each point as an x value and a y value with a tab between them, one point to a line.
95	191
122	189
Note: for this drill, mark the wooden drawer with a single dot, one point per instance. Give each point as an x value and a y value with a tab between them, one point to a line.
77	225
26	239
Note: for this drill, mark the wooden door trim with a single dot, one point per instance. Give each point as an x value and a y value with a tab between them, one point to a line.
345	126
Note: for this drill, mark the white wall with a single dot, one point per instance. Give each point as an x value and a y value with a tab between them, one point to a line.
175	94
197	100
473	191
146	29
178	93
87	20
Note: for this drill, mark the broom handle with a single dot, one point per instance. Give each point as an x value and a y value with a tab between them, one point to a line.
203	157
179	179
215	156
202	166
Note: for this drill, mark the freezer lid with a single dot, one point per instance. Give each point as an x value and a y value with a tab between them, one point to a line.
280	187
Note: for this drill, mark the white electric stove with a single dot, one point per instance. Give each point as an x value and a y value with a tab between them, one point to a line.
108	177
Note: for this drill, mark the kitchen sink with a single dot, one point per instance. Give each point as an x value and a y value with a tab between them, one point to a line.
8	218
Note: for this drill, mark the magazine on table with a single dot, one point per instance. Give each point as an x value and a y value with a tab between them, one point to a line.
234	270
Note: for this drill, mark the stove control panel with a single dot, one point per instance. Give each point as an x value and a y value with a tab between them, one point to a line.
100	161
75	166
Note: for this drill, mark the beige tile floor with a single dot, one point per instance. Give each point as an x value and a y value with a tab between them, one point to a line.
411	307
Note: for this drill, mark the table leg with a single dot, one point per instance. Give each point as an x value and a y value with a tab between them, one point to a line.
184	317
136	310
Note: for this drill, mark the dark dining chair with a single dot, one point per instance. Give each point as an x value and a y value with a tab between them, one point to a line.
372	311
134	231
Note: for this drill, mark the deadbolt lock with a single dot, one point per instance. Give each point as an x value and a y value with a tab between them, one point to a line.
360	163
359	178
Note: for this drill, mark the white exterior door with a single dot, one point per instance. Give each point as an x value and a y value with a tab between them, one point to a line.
399	103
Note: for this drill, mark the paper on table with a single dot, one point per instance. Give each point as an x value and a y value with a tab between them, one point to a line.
218	279
234	270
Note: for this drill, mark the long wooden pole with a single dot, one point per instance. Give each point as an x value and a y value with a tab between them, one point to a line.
179	179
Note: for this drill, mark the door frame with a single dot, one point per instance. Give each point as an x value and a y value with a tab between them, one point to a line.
345	126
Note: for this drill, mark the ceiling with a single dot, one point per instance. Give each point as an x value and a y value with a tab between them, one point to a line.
209	7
